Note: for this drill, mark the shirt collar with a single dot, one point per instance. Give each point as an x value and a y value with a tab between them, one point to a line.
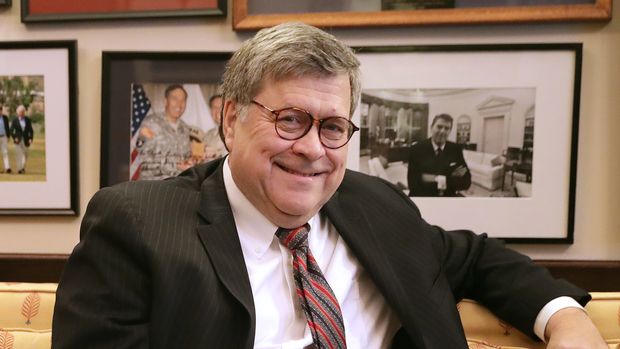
256	232
435	145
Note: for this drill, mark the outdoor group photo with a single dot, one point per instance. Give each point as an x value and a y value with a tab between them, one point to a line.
22	129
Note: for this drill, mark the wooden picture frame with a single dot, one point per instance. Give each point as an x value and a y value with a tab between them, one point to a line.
78	10
44	169
599	10
479	83
121	71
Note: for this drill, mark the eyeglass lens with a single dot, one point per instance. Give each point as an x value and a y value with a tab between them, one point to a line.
293	123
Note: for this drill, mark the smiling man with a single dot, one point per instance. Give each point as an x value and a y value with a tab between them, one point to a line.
279	246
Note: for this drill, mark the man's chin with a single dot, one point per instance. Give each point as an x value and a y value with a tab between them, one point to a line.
292	216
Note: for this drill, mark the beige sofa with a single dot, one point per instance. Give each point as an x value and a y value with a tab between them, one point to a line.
486	169
26	320
26	315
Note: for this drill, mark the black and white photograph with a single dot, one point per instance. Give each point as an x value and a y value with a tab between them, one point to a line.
459	142
477	136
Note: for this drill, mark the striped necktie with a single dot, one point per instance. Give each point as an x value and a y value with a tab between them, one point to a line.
316	297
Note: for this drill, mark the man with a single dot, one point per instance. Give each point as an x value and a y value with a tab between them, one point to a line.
437	166
22	134
214	147
164	140
4	144
194	261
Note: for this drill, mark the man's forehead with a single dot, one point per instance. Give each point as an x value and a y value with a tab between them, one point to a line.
442	122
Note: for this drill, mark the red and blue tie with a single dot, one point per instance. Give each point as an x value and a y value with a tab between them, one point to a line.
316	297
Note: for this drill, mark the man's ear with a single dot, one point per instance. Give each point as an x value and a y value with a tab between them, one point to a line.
229	120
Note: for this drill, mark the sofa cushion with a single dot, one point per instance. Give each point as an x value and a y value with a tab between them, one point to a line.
478	344
27	306
22	339
473	157
483	328
604	310
486	159
497	161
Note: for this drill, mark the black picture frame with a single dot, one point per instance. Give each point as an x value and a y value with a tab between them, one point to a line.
76	10
553	69
54	190
119	71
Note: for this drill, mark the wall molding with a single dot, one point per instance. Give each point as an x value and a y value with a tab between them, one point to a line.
590	275
594	276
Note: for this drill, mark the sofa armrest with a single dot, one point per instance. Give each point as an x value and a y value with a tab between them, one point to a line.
485	330
27	306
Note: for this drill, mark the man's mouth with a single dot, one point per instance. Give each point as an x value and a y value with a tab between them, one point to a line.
303	174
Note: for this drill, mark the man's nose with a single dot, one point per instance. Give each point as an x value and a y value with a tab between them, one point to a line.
310	144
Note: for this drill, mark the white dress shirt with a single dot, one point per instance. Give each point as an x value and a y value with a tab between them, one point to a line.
280	322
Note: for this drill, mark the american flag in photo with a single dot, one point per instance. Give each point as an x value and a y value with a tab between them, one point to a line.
140	106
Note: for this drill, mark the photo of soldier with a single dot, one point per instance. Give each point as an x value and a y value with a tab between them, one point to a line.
169	126
214	147
163	141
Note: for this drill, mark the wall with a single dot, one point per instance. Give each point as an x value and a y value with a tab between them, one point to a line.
597	222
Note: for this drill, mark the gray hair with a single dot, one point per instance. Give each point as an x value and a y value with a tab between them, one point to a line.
284	51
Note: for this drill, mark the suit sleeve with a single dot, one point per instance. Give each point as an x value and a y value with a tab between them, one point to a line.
414	175
481	268
103	295
464	182
506	282
14	131
30	132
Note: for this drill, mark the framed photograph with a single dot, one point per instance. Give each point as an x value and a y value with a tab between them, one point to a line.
38	128
482	137
5	2
255	14
159	113
77	10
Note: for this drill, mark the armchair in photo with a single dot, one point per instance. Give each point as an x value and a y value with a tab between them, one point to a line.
486	169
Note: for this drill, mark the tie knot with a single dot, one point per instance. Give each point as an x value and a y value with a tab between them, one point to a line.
294	238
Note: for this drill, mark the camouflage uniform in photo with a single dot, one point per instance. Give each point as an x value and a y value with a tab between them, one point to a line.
213	141
161	154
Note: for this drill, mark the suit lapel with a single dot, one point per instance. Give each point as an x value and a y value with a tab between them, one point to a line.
425	321
221	242
346	215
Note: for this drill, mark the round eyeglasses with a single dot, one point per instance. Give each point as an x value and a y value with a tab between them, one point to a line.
293	123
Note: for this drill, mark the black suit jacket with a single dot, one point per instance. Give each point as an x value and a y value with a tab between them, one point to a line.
18	134
160	265
422	159
5	120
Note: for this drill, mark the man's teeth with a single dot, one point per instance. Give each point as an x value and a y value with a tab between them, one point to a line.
298	173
